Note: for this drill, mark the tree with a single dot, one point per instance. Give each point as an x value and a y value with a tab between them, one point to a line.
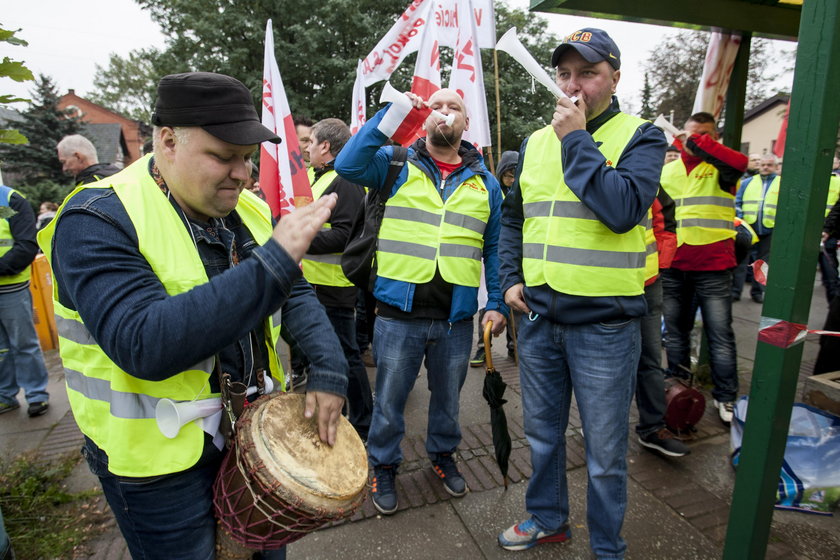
647	112
18	72
675	67
44	124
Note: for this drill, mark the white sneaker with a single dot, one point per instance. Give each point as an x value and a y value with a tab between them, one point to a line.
725	410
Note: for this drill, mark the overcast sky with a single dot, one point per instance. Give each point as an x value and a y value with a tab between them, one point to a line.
66	42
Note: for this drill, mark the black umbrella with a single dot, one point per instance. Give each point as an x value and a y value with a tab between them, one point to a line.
494	391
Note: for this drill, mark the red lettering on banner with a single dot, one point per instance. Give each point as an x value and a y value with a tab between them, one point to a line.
467	51
446	18
267	97
478	15
435	61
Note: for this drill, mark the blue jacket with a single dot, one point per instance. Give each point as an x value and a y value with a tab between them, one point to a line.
364	161
151	335
620	197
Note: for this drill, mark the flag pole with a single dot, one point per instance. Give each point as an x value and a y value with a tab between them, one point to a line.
498	105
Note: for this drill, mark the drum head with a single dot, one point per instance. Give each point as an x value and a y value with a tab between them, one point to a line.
307	470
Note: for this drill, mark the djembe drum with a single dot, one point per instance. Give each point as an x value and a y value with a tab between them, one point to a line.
279	481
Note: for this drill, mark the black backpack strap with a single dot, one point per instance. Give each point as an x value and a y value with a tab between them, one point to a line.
398	159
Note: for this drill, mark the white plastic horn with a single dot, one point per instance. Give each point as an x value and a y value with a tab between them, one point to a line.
510	44
171	415
391	95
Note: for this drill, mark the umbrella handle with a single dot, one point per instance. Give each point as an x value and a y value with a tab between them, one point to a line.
488	359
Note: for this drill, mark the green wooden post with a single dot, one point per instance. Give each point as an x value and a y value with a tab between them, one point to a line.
736	94
807	162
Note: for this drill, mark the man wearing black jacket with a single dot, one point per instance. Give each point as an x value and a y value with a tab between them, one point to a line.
78	158
21	363
322	264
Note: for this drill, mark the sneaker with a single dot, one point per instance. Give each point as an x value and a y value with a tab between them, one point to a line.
447	471
526	534
8	407
725	410
383	489
665	442
37	408
758	298
478	359
299	378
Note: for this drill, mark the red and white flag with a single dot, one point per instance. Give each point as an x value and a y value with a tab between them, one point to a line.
781	138
717	70
283	177
358	114
467	78
426	78
402	122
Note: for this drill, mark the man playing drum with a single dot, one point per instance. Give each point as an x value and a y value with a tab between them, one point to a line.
168	274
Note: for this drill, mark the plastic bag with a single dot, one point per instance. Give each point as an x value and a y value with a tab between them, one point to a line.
810	477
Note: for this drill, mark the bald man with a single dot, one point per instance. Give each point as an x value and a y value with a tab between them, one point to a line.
441	222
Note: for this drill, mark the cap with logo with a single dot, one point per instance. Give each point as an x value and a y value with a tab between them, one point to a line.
219	104
594	45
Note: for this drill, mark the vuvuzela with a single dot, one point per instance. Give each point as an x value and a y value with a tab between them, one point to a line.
510	44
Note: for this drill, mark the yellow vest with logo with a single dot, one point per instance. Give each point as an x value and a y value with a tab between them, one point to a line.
752	201
705	214
7	241
324	270
564	243
833	194
113	408
420	233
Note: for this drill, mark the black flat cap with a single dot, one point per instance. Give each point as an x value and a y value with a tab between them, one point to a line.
219	104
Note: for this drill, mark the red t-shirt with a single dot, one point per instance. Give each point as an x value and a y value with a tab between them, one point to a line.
446	168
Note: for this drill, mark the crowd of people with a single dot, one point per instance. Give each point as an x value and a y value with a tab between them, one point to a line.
171	276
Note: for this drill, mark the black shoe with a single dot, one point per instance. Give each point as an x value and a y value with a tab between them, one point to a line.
8	407
478	359
37	408
511	353
447	471
298	378
758	298
665	442
383	489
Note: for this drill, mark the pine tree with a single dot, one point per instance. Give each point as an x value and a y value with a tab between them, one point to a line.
44	125
646	111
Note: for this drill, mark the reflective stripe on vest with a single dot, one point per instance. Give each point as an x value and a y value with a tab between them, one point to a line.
324	270
754	199
705	214
564	243
420	232
7	241
112	407
651	250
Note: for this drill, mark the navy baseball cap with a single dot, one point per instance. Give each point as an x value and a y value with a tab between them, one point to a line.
594	45
219	104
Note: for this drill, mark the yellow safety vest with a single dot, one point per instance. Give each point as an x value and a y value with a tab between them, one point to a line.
705	214
752	201
7	241
833	194
324	270
113	408
564	243
420	232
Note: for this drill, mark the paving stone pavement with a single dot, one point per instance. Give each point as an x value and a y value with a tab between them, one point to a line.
691	495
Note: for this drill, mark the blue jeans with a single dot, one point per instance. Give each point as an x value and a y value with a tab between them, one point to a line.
400	346
21	362
650	379
163	517
713	290
598	362
359	398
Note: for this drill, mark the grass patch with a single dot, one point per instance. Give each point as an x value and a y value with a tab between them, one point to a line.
43	519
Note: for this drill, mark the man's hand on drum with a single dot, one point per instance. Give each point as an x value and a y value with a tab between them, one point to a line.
328	406
295	231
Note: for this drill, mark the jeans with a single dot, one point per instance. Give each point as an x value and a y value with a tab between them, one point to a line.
743	272
650	379
400	346
359	398
598	362
163	517
713	290
21	362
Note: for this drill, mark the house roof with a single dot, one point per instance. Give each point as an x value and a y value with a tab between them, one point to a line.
766	105
8	116
108	139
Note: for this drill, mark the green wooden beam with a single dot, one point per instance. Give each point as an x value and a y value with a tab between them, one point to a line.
775	21
808	154
736	95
